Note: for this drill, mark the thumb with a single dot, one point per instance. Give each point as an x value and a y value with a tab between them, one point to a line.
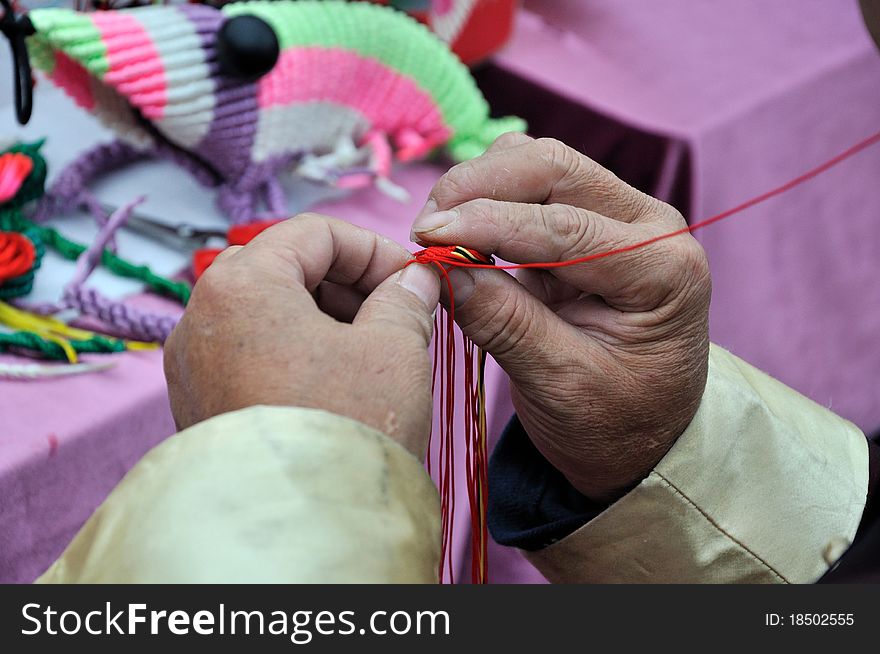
500	316
406	299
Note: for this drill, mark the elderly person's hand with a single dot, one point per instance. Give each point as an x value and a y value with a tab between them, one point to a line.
314	312
608	359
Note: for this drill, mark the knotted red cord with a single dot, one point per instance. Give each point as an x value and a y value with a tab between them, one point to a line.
475	432
17	255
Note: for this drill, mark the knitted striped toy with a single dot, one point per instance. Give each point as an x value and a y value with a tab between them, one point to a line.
242	94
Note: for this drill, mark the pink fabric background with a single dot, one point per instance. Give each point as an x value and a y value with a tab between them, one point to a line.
742	97
706	104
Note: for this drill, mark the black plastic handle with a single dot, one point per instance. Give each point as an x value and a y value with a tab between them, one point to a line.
16	29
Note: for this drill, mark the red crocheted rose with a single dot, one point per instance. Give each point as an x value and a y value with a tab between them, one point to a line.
16	255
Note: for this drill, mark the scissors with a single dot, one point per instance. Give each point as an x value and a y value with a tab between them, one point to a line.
189	238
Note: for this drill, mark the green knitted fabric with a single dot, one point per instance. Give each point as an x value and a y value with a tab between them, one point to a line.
72	32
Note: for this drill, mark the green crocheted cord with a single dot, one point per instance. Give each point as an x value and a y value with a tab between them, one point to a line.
51	350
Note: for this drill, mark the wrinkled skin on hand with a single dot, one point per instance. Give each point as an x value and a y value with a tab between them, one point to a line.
607	360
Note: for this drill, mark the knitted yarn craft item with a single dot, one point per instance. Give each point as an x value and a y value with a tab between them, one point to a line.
25	371
354	85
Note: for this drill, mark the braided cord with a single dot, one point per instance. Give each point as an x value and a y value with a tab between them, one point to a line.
31	341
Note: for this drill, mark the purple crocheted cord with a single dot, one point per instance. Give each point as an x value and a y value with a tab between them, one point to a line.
125	320
238	199
70	191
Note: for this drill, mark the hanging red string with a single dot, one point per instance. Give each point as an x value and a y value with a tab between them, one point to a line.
475	431
475	427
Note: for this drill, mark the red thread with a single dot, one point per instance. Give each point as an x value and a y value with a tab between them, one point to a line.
17	255
475	407
475	432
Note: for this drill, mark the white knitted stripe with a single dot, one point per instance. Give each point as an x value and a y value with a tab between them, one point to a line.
314	127
190	88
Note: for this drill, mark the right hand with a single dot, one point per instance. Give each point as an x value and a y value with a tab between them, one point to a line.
608	359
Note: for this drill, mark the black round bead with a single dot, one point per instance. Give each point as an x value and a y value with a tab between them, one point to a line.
247	47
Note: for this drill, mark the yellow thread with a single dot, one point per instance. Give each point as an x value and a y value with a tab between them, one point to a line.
48	328
139	346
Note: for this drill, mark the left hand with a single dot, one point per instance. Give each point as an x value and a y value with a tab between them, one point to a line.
314	312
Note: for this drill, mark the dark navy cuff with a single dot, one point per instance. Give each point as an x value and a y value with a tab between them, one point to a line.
531	504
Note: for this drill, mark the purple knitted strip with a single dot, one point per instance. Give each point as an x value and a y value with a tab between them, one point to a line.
69	191
230	139
199	14
276	200
201	175
89	259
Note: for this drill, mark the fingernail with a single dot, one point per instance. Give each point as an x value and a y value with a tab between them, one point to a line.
430	207
433	221
422	283
463	286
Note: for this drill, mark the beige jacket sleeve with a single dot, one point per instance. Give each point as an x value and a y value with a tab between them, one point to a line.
764	486
265	494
